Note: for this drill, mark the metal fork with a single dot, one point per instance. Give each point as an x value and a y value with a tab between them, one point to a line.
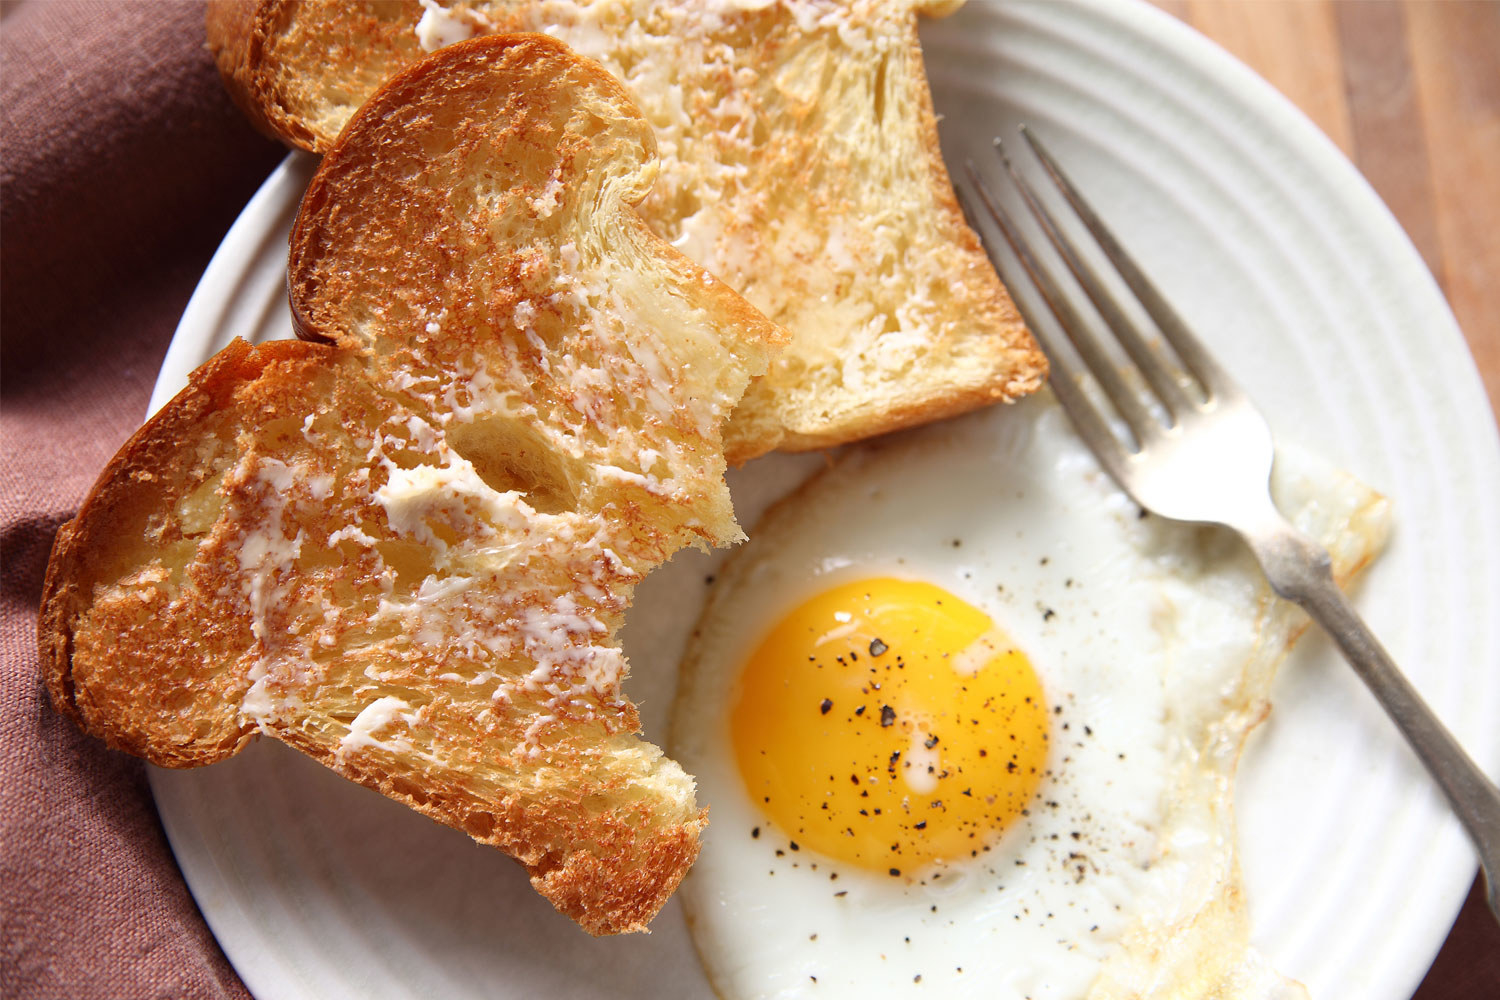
1207	458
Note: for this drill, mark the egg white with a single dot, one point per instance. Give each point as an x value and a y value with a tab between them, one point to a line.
1146	636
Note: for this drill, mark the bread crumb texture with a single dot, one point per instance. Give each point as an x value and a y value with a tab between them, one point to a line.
799	163
405	547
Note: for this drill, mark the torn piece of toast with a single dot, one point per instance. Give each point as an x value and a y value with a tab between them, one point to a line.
800	164
406	549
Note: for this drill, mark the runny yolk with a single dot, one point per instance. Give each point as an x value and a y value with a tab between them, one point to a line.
888	724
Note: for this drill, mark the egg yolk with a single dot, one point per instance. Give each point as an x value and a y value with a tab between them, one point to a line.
888	724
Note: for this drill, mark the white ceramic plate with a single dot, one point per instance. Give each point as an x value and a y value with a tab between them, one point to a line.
1274	248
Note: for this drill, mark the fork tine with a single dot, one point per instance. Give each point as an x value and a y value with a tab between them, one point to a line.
1150	363
1143	424
1215	381
1213	468
1097	434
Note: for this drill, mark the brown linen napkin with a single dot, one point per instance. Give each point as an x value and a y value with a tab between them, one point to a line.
123	165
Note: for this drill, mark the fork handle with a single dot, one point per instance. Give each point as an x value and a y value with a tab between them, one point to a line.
1300	570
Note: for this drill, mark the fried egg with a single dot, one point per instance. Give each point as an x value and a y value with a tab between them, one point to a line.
967	719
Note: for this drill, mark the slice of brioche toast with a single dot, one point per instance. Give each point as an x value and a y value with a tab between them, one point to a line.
405	543
800	164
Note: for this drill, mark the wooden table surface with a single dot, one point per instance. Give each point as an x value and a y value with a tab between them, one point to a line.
1410	91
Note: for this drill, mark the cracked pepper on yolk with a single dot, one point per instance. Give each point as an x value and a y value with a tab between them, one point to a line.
888	724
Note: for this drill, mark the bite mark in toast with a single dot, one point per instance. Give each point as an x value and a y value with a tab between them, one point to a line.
406	549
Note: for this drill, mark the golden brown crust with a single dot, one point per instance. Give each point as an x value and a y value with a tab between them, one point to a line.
797	211
237	31
406	552
117	696
263	49
980	323
114	507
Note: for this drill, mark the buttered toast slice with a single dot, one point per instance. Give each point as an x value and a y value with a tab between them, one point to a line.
799	163
405	544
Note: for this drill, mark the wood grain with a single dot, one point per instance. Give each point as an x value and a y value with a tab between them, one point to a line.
1456	64
1410	91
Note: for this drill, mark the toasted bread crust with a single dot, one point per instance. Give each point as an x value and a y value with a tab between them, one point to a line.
784	188
245	38
242	66
1014	365
115	507
406	550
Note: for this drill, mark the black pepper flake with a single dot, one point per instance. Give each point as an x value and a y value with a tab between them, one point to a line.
887	716
794	845
930	742
1048	614
826	705
878	648
860	710
755	833
895	872
841	894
